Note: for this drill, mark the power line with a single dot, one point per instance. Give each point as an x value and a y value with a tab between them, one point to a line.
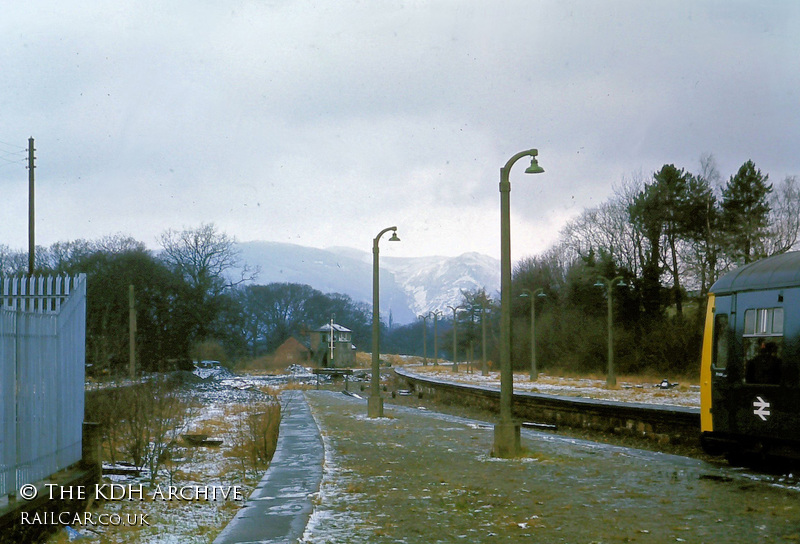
17	157
14	147
6	162
11	154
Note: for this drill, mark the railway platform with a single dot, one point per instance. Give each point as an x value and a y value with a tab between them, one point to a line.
421	476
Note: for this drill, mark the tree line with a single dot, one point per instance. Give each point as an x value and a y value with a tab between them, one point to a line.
194	299
666	238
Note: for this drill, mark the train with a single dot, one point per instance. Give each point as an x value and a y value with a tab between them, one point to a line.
750	363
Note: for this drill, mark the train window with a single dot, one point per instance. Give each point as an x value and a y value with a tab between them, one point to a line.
763	345
749	322
763	322
777	321
721	340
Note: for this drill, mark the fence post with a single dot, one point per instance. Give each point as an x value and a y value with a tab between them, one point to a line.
92	453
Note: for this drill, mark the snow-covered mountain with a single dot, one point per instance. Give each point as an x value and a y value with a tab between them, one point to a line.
434	283
409	286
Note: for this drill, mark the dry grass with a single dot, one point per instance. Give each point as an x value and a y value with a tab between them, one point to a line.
264	365
199	521
552	375
632	379
629	388
212	426
255	435
363	360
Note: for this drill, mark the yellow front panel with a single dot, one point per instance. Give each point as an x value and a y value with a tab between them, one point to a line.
706	422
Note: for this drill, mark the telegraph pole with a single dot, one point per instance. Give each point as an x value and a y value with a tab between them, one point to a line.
31	239
132	331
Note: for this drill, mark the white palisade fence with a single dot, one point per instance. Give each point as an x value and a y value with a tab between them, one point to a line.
42	360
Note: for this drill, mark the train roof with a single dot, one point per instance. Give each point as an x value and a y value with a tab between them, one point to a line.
771	273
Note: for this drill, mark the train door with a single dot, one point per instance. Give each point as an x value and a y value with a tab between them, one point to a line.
723	368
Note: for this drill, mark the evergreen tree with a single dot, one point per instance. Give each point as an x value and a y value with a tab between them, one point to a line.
676	214
646	214
671	212
745	212
702	234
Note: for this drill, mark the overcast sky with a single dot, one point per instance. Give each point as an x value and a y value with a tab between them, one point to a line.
322	122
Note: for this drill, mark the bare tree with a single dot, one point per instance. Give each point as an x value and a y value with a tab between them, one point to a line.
209	263
206	258
608	227
784	217
152	417
8	264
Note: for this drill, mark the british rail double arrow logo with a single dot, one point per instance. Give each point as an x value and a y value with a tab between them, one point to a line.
761	408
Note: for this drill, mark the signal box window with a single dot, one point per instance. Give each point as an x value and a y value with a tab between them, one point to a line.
763	345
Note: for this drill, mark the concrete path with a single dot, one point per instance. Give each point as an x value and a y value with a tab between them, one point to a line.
278	509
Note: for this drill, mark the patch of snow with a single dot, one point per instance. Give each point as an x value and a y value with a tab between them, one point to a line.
572	387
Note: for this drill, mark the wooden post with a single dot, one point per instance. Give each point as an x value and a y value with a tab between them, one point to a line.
31	237
132	331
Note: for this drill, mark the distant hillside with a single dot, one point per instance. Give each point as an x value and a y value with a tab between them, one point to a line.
434	283
409	286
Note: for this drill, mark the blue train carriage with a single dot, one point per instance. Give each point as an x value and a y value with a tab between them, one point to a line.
750	378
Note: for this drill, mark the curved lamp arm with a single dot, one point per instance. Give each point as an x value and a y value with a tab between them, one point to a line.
534	168
384	231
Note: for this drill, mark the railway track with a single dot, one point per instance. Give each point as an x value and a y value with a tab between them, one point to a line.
676	425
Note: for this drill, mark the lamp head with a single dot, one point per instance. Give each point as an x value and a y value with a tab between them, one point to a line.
394	237
599	284
534	168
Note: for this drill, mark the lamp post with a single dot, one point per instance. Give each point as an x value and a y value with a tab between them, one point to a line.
424	319
506	432
539	293
375	402
435	337
484	367
473	308
611	378
455	337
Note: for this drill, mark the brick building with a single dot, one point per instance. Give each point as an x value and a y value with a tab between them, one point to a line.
293	352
